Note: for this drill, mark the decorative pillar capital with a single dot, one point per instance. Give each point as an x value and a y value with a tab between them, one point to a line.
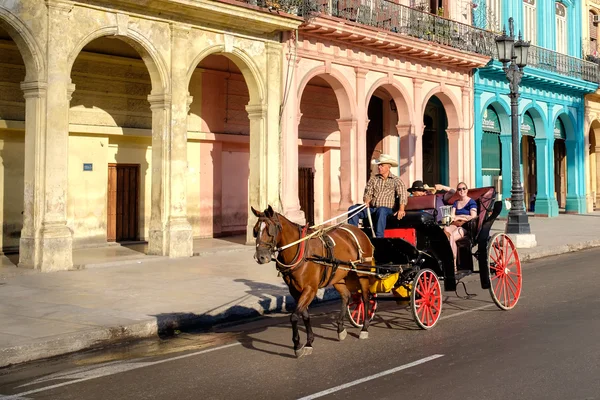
361	73
159	101
256	111
417	83
455	133
70	90
34	89
346	123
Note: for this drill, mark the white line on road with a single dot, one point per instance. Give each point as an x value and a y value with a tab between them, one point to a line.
370	378
466	311
118	368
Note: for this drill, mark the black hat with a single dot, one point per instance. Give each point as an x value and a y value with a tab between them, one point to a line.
418	185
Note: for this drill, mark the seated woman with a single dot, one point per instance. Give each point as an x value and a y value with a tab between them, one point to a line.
464	209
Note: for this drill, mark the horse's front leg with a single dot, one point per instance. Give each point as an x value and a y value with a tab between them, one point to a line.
345	295
364	288
306	298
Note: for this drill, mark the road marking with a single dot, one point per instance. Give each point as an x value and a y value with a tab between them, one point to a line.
466	311
112	370
370	378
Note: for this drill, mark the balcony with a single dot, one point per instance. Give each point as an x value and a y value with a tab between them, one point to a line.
391	17
563	64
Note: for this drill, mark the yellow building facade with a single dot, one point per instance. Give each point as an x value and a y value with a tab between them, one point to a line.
114	126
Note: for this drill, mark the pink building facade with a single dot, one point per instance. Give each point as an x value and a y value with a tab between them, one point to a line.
352	92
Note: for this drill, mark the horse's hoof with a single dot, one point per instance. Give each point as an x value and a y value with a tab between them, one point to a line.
342	335
363	335
304	351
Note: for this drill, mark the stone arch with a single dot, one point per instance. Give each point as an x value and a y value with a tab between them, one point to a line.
157	68
451	105
29	48
503	111
538	117
398	93
568	121
243	61
340	85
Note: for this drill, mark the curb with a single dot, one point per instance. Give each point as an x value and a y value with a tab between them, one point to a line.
562	249
168	324
154	326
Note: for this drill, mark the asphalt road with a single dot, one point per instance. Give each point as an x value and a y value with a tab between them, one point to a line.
546	348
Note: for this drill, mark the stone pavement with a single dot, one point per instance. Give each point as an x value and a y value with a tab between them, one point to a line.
119	293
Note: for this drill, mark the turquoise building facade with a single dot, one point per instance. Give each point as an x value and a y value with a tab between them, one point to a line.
551	106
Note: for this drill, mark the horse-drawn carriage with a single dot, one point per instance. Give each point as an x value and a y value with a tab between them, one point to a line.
409	262
415	256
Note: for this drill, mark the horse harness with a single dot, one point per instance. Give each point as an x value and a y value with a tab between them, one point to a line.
328	245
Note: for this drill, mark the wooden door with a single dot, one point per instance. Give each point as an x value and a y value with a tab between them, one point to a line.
123	202
306	193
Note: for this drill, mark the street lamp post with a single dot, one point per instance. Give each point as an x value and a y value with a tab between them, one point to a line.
513	56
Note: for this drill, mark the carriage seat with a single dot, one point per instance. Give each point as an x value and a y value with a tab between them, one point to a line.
484	197
416	213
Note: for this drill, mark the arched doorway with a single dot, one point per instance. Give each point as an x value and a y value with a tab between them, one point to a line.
435	143
110	145
12	142
560	164
491	151
528	161
319	177
375	130
218	149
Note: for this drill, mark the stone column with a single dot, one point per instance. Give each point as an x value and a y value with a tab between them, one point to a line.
289	136
33	207
597	176
257	182
575	199
50	248
170	231
347	159
273	160
456	155
417	155
506	151
545	202
407	148
468	160
359	173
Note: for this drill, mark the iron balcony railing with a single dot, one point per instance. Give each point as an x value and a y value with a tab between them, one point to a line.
563	64
397	18
386	15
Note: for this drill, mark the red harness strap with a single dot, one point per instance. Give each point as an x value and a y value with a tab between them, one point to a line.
299	254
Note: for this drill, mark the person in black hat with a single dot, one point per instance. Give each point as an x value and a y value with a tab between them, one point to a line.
420	189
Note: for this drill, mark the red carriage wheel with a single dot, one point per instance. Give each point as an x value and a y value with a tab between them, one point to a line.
426	299
356	309
505	271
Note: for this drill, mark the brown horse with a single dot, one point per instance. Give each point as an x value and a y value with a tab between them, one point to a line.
304	276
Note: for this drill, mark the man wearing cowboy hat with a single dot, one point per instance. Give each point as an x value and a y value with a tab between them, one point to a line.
381	194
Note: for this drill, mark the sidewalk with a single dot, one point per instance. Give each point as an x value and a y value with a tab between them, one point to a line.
120	293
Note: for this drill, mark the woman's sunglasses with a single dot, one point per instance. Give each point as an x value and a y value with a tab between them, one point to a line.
461	188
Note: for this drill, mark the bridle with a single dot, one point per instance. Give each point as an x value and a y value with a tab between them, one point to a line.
273	229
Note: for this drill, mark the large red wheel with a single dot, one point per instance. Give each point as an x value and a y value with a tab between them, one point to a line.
505	271
426	299
356	309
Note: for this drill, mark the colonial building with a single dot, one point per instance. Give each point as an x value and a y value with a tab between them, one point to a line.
127	122
369	77
590	21
554	140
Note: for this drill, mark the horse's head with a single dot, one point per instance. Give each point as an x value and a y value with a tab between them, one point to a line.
266	231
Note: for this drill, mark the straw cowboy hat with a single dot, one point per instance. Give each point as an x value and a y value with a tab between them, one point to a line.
418	185
385	159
